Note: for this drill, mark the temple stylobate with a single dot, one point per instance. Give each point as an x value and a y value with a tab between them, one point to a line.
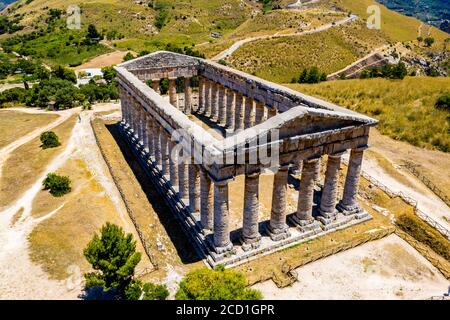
261	128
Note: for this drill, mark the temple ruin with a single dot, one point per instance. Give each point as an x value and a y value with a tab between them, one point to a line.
261	128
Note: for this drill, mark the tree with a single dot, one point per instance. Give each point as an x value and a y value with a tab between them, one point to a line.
443	102
113	255
429	41
57	185
137	290
63	73
128	56
399	71
109	74
93	36
219	284
49	139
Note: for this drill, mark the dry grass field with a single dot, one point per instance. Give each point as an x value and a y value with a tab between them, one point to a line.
58	242
14	124
405	108
28	161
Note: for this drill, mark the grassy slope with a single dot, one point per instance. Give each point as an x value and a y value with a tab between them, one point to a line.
281	59
295	53
405	108
187	22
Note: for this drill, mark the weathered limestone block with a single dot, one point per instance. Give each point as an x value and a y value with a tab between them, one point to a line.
183	172
194	188
201	95
173	97
222	241
222	106
249	117
214	102
303	217
250	234
330	188
157	144
150	141
230	108
187	96
165	154
207	110
259	112
278	228
206	202
349	203
239	114
173	156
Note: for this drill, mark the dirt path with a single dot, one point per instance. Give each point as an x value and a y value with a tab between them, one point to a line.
370	271
384	160
19	277
224	54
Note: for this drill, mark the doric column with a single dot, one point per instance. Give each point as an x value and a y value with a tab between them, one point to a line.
330	188
187	96
141	122
206	201
271	112
150	134
222	242
173	157
249	113
183	173
157	143
230	108
222	106
250	234
214	101
165	153
239	113
278	228
155	85
303	217
194	187
173	98
207	109
349	203
201	94
259	112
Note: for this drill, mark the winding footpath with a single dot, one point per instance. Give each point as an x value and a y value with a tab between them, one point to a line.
226	53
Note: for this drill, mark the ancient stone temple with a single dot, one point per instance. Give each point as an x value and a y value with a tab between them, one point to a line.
168	103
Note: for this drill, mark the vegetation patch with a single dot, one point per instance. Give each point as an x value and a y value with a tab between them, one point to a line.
424	233
49	139
219	284
57	185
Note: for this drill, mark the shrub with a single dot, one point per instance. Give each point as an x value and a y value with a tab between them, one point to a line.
443	102
113	255
137	290
424	233
49	139
220	284
57	185
128	56
312	75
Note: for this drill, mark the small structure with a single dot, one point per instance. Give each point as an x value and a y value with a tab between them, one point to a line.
89	74
270	127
